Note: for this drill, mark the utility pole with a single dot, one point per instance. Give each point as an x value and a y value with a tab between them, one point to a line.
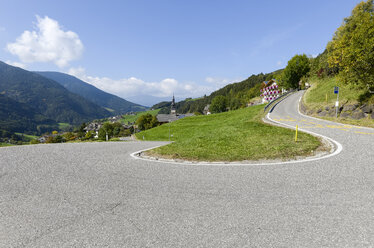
336	91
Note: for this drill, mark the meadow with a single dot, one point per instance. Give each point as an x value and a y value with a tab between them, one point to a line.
231	136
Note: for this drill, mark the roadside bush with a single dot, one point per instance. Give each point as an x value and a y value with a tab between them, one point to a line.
69	136
89	135
56	139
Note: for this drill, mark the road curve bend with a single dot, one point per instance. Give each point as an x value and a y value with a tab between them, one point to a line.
97	195
357	143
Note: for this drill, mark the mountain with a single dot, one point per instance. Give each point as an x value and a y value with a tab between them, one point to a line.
20	117
47	97
111	102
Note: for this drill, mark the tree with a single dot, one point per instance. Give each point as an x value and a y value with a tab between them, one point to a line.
117	128
106	129
297	67
352	47
320	67
235	103
81	132
219	104
147	121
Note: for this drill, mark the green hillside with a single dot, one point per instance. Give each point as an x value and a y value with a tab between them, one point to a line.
230	136
321	97
315	97
237	95
20	117
347	62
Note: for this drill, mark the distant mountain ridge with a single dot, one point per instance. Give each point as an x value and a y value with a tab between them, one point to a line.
116	104
47	97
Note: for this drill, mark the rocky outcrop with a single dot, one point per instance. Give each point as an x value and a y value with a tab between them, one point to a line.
357	114
367	109
353	111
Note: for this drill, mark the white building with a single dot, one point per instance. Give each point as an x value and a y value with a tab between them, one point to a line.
270	91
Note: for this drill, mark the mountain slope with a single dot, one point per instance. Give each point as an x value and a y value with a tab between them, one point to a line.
20	117
47	96
93	94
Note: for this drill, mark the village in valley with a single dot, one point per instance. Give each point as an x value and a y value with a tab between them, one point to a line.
118	128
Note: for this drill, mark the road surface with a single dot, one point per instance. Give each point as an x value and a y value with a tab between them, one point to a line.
97	195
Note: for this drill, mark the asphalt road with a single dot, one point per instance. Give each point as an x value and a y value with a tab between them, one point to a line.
96	195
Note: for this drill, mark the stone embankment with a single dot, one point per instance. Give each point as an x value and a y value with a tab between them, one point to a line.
353	111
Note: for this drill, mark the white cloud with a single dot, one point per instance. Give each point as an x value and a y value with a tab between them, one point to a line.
78	72
132	86
47	43
279	63
18	64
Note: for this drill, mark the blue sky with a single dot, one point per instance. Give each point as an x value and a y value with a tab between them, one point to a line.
146	50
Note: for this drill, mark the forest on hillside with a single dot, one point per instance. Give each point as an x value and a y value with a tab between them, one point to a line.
236	95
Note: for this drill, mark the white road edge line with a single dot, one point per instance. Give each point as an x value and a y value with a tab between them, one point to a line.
336	123
338	149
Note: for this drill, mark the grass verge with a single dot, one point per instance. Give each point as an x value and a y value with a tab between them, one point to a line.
232	136
315	98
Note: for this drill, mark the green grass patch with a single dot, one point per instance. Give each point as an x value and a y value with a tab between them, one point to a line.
5	144
132	118
109	109
28	137
64	126
232	136
315	98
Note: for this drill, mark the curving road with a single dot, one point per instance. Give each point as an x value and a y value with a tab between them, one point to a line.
96	195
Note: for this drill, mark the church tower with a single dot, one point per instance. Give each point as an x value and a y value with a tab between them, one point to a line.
172	108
